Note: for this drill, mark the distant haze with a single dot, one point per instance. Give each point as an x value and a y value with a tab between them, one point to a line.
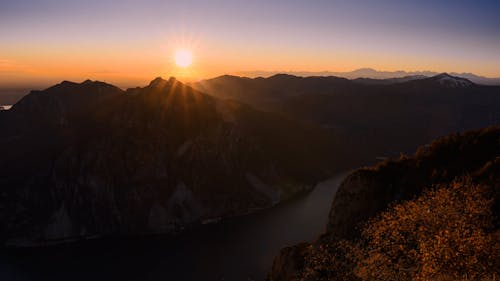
10	95
374	74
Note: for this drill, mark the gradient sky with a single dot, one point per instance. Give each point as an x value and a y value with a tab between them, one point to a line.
130	42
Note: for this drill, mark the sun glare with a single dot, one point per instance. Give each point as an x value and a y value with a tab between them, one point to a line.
183	58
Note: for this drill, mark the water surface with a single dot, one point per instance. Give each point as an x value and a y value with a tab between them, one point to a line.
241	248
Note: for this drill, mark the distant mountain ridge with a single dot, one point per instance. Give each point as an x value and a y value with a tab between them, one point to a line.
371	73
364	75
378	117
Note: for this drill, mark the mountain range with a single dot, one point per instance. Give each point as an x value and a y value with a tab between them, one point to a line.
371	119
88	159
10	95
371	73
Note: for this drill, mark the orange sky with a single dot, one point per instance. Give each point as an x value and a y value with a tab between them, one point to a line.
46	41
133	66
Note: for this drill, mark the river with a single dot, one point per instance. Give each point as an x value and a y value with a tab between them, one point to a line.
240	248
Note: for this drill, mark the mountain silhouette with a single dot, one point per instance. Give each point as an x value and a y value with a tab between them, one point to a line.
88	159
373	117
385	75
370	73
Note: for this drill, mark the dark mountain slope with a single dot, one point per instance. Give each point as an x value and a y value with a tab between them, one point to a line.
373	119
415	212
89	159
472	153
270	93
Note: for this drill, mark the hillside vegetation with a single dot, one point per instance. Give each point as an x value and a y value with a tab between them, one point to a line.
447	230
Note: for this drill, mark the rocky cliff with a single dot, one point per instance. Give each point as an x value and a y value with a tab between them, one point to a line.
367	192
88	159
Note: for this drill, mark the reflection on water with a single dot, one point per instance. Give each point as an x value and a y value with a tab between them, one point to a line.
236	249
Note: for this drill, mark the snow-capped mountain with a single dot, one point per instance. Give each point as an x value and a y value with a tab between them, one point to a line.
451	81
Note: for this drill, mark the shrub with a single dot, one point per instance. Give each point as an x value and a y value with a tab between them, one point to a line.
446	233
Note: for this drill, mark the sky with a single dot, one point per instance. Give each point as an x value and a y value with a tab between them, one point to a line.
130	42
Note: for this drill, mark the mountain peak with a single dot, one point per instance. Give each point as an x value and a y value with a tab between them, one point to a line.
447	80
443	75
87	84
67	83
283	76
157	81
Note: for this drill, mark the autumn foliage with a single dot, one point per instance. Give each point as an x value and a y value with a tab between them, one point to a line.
431	216
447	233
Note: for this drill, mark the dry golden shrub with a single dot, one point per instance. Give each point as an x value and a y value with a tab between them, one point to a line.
446	233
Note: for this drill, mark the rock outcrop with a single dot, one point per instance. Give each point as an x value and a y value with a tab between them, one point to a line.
368	191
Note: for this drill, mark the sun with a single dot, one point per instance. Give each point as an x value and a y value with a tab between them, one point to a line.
183	58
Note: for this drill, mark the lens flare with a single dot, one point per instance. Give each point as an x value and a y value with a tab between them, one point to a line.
183	58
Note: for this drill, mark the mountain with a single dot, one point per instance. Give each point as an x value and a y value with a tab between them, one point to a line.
362	75
268	93
395	221
371	73
446	80
88	159
10	96
388	81
372	120
478	79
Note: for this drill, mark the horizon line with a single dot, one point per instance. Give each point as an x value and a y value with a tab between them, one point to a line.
252	74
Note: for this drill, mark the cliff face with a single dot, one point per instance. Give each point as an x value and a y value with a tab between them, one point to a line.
367	192
88	159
